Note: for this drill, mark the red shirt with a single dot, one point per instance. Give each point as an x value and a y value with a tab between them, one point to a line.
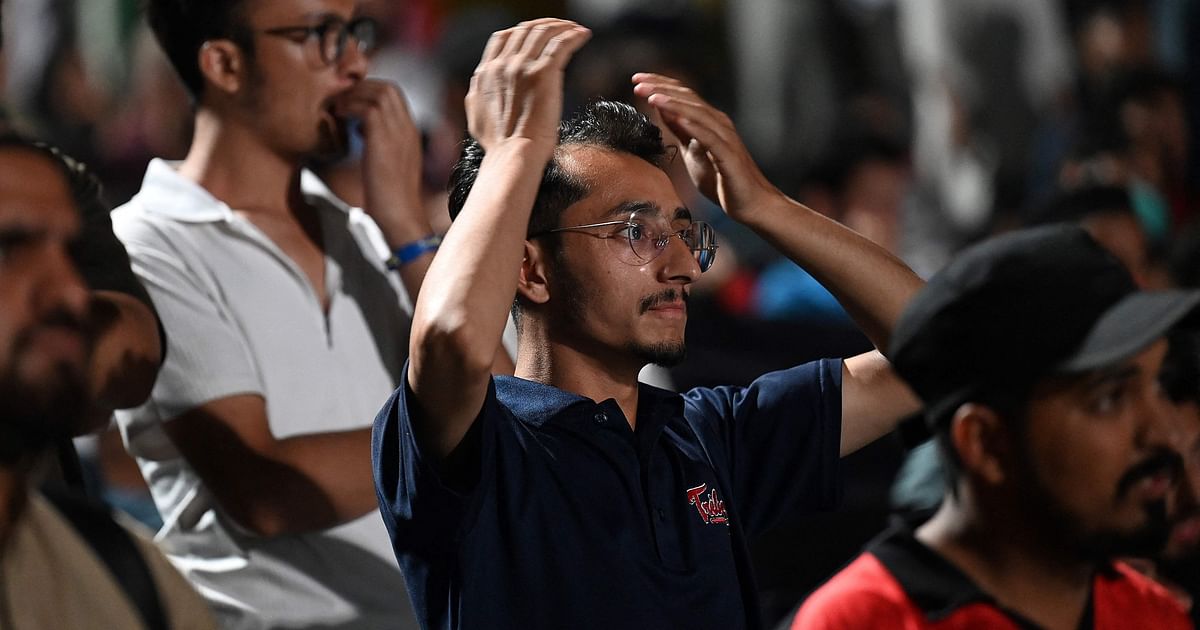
901	584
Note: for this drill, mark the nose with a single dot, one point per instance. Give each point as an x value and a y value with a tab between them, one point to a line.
679	263
60	285
353	63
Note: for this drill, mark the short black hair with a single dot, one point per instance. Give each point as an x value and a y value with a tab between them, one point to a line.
603	124
1075	206
182	26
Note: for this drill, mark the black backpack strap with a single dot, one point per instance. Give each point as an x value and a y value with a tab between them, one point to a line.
116	548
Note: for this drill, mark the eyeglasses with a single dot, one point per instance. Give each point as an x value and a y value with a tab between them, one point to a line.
643	236
333	35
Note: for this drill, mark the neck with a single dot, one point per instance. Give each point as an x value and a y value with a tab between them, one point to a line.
235	166
575	370
1012	560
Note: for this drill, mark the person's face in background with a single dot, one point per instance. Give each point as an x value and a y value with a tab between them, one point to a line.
43	345
292	92
1097	463
1184	540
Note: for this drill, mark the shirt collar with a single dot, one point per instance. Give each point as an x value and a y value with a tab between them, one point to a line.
934	584
167	193
536	403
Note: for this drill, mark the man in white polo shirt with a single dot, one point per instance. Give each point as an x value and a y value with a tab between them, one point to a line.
286	325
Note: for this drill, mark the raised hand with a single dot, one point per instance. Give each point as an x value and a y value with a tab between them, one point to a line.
516	91
716	159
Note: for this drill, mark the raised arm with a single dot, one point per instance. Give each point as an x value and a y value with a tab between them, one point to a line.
871	284
513	111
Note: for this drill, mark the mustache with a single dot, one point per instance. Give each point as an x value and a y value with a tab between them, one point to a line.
662	297
1162	461
57	318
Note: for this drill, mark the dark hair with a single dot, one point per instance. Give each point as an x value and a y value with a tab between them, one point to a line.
1077	205
1011	405
85	188
603	124
182	26
1180	376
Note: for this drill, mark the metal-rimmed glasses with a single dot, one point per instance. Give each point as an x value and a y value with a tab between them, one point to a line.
643	236
332	35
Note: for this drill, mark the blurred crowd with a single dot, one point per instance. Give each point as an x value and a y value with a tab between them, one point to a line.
924	125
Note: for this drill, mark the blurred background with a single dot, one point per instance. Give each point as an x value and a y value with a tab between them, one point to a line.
923	124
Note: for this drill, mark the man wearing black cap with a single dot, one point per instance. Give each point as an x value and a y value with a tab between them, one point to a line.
1039	362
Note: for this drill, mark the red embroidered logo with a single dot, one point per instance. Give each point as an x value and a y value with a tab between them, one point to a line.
711	508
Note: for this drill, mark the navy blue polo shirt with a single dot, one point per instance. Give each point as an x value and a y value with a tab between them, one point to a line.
573	520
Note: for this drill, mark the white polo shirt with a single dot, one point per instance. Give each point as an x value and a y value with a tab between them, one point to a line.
242	318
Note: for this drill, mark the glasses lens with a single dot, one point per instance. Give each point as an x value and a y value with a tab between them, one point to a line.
333	40
644	234
703	244
364	31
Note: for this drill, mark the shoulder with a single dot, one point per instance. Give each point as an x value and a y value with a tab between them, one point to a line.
1128	595
863	595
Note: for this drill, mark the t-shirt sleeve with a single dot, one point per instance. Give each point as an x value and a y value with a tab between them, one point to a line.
423	512
207	356
779	438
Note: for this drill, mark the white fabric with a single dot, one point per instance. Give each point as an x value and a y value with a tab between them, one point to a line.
242	318
50	577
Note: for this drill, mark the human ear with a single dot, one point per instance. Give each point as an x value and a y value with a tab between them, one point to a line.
981	440
221	63
531	284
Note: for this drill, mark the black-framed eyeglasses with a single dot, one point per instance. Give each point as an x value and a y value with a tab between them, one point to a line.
643	236
332	35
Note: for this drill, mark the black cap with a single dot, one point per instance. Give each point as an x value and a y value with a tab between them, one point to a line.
1016	308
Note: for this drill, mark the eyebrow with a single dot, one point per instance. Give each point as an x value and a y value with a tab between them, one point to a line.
629	207
1106	376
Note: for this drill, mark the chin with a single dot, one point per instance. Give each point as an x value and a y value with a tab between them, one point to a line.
665	353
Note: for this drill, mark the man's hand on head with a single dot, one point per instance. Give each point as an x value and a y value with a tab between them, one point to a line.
716	159
517	89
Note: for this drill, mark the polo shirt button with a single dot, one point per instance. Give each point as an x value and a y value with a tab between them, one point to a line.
600	417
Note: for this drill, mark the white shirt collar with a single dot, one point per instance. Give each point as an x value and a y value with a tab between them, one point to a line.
167	193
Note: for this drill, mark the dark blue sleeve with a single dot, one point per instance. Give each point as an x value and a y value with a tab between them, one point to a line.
424	515
779	440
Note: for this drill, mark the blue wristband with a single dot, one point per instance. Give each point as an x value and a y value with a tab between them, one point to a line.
411	251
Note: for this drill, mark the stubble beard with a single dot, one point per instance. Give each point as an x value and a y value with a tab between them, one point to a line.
575	306
36	415
1090	544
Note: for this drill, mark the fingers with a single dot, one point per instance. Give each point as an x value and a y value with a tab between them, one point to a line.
563	46
517	88
688	115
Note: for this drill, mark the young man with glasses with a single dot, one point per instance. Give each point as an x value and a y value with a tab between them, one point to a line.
286	323
572	496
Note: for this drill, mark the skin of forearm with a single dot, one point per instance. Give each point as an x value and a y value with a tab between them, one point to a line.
872	284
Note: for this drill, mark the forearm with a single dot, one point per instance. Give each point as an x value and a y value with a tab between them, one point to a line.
401	229
303	484
872	284
470	285
459	319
